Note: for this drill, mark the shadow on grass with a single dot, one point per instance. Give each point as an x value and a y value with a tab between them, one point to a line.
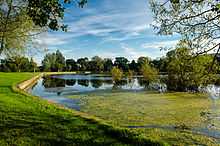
52	129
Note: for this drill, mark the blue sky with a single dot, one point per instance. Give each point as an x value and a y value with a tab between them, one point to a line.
107	28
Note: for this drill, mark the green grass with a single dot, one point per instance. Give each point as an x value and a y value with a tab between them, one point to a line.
28	120
181	111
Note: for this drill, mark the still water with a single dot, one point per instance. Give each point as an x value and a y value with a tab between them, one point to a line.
56	88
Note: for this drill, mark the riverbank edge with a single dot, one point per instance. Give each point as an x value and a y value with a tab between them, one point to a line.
123	134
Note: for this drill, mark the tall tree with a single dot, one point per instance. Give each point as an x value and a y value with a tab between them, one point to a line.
142	61
197	21
150	74
133	66
160	64
21	19
47	13
60	61
83	63
17	63
54	62
117	75
122	63
15	25
108	64
187	72
71	65
32	66
49	61
97	64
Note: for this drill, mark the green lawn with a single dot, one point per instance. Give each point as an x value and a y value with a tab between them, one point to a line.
27	120
173	114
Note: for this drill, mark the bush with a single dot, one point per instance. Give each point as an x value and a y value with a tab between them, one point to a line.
149	73
117	74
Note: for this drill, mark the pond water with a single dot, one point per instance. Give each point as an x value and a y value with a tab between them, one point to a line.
56	87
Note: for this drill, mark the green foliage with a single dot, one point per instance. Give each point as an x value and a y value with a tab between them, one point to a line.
193	20
47	13
130	74
54	62
117	74
20	20
15	26
108	65
142	61
33	65
133	66
149	73
186	72
160	64
96	64
122	63
83	63
60	61
71	65
18	64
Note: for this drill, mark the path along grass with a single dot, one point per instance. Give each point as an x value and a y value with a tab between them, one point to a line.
28	120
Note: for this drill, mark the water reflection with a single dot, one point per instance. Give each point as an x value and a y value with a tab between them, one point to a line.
83	82
74	84
96	83
143	82
71	82
49	82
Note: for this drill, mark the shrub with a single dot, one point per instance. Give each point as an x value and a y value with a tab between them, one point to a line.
149	73
117	74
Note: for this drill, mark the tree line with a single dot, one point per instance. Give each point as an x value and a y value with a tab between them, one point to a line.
56	62
18	64
184	70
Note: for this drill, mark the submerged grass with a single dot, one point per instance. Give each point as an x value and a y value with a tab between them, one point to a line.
179	111
28	120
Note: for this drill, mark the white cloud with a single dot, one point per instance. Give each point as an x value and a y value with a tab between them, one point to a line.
130	52
101	23
111	17
134	53
46	39
159	44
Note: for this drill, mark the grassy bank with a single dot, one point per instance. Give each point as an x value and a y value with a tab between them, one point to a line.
169	117
27	120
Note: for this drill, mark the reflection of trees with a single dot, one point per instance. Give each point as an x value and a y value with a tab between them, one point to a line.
110	82
116	87
143	83
83	82
122	83
49	82
131	82
71	82
119	84
96	83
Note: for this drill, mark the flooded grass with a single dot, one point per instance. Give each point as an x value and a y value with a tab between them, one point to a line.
183	113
